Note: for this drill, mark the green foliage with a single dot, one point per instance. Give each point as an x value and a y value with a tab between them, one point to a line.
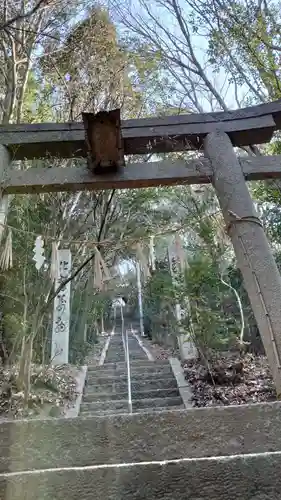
206	294
158	294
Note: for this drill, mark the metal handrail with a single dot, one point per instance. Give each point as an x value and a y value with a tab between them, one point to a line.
127	358
130	404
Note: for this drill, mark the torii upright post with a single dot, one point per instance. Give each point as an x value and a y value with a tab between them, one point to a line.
254	257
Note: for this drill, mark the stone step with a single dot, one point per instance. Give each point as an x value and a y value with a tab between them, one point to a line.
118	342
120	357
133	348
135	412
134	370
248	477
115	359
119	386
104	413
123	403
137	364
195	433
122	365
156	393
122	378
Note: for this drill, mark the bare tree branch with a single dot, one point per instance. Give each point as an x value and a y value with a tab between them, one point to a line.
41	4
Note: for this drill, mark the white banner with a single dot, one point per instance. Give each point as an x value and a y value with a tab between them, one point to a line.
61	317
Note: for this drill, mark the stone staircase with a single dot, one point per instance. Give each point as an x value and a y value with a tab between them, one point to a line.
219	453
153	384
222	453
116	354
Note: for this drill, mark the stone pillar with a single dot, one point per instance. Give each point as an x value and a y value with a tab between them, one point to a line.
61	318
254	257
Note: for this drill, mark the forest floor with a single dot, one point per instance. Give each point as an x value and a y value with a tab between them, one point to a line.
158	351
53	389
231	379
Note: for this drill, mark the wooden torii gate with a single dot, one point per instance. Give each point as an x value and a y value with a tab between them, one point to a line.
215	134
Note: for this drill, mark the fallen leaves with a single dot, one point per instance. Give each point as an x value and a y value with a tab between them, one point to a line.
230	379
52	387
159	352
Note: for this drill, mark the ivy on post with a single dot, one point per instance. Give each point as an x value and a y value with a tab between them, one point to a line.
254	257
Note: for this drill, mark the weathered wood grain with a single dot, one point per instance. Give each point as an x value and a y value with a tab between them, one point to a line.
104	141
174	133
270	108
134	175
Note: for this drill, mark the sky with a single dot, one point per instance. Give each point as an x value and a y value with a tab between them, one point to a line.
200	43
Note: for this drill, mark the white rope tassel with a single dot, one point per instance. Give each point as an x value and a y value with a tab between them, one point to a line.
6	259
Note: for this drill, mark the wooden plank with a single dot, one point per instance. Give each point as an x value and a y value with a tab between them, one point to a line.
199	129
270	108
134	175
68	140
104	141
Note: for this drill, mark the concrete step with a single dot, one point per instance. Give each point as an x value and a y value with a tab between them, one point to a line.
248	477
122	386
158	393
123	403
195	433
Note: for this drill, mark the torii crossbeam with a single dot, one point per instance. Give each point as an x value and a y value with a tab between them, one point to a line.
253	125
